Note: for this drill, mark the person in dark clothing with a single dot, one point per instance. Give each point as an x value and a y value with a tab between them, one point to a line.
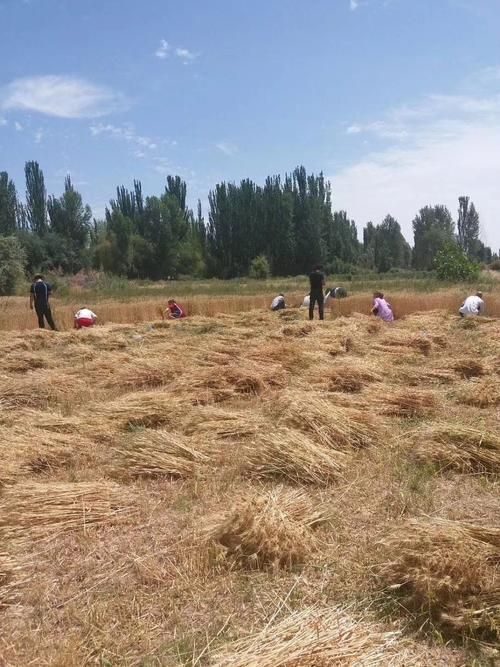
317	284
39	299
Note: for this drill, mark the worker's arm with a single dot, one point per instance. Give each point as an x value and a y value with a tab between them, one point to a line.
32	297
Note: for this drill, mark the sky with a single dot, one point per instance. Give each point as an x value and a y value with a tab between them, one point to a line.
396	101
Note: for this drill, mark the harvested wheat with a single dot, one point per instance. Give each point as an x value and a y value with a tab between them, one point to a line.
484	393
30	509
407	404
149	408
351	378
444	571
289	454
334	426
314	637
468	368
458	447
152	453
269	529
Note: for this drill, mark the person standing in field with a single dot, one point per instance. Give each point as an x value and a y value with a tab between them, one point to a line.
174	311
278	302
39	300
381	308
85	318
472	306
317	285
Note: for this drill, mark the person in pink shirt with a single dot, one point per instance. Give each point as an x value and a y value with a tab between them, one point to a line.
381	308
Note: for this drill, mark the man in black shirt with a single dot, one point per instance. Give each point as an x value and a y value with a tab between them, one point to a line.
317	283
39	299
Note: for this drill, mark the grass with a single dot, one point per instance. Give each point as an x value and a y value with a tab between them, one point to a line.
220	491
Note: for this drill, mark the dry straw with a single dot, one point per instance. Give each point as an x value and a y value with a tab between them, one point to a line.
314	637
158	453
142	408
32	509
289	454
336	427
446	572
484	393
404	403
269	529
459	447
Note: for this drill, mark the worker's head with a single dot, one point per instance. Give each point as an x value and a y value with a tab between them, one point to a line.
318	267
37	276
281	294
171	302
378	295
479	294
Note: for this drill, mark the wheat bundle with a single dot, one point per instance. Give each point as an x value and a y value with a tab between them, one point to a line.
143	408
468	368
289	454
314	637
402	340
445	570
139	376
351	378
32	509
297	331
9	568
155	453
407	404
484	393
332	425
35	391
50	420
215	423
463	448
269	529
215	385
22	362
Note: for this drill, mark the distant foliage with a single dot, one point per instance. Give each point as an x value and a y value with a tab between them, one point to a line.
11	265
452	264
259	268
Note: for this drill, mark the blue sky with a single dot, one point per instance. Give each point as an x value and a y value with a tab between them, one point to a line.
396	101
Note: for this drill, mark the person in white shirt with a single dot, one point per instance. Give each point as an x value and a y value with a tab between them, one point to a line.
278	302
473	305
85	318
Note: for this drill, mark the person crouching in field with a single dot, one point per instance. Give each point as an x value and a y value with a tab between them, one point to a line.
381	308
473	305
174	311
85	318
278	302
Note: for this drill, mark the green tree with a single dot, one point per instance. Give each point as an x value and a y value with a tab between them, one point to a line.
36	198
433	228
452	264
259	268
11	264
8	205
467	226
70	220
390	247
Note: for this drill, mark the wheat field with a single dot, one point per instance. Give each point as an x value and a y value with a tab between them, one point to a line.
251	488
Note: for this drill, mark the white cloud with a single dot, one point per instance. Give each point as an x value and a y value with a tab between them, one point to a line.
186	55
432	152
227	149
60	96
3	121
353	5
18	126
354	129
125	133
39	135
163	50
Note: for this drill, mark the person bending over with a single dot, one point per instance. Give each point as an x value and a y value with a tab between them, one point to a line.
381	308
85	318
174	311
472	306
278	302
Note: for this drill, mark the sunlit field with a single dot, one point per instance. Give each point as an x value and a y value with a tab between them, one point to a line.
251	489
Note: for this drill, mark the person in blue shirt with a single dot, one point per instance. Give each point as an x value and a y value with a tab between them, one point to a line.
39	300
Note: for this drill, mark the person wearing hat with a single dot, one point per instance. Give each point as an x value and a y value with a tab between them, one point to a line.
278	302
472	306
39	301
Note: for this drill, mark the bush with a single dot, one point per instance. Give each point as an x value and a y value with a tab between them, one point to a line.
12	260
453	264
495	266
259	268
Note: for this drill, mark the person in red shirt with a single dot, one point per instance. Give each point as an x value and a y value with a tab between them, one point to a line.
174	311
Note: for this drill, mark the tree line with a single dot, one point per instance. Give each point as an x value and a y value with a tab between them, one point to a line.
282	227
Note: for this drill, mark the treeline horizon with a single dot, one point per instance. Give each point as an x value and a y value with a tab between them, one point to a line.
283	227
